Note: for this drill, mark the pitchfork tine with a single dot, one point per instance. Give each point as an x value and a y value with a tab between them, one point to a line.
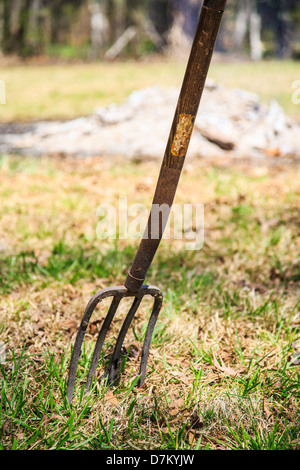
82	329
158	300
101	338
117	351
117	294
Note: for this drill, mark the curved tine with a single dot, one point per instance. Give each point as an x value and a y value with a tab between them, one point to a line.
116	354
148	337
100	340
92	304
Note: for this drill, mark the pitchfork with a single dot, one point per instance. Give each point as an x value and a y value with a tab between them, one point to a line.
176	149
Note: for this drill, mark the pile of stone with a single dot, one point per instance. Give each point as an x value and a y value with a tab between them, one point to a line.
230	122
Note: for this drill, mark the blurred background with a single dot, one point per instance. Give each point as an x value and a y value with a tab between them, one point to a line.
90	28
73	57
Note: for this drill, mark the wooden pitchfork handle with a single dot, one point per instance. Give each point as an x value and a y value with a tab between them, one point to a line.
179	138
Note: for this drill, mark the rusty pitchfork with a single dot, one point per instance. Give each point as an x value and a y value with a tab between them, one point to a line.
176	149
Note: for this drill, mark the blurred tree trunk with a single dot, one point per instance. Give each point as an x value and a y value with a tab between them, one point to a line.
33	26
280	19
7	41
5	26
160	15
256	46
99	28
122	14
241	24
283	29
248	21
15	24
185	17
123	20
22	44
1	27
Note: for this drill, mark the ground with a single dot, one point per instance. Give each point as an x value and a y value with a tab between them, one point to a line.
220	372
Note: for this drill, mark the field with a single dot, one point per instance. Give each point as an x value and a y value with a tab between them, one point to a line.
60	91
221	373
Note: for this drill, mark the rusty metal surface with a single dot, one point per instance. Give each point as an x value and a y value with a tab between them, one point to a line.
180	134
117	294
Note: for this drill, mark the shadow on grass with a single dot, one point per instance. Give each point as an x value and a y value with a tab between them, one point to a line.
64	264
68	264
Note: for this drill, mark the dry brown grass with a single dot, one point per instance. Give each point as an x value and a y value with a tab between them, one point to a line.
219	373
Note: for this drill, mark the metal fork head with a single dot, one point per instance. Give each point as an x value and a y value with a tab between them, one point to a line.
117	294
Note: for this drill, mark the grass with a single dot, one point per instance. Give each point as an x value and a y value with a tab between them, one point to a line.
219	374
60	91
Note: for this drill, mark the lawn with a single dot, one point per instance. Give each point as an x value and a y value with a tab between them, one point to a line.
60	91
220	372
